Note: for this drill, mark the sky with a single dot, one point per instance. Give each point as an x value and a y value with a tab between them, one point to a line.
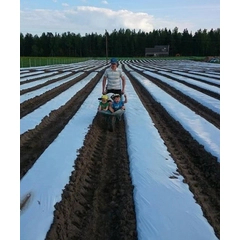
96	16
178	210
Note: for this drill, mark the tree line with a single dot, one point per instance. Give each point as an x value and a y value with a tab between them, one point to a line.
121	43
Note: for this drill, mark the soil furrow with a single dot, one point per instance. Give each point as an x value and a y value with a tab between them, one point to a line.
43	84
192	104
35	141
206	91
200	80
31	104
107	211
199	168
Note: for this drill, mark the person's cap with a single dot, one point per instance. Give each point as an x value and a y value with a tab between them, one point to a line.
104	97
115	95
114	60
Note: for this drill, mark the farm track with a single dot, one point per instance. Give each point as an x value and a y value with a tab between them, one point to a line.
97	203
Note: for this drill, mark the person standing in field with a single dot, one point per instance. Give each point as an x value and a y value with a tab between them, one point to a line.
113	79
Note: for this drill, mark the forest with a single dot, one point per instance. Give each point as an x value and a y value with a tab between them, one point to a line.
121	43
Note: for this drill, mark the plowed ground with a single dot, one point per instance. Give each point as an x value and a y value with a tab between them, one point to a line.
97	203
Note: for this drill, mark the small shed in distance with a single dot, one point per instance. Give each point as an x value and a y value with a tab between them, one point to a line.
157	51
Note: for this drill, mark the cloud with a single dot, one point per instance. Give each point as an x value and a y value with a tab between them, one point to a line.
103	18
82	19
86	19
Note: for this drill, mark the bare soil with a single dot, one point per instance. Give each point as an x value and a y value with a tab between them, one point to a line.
97	203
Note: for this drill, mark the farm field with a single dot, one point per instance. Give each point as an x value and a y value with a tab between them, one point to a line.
64	142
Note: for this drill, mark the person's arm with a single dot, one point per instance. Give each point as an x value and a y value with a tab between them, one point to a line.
123	83
125	98
99	107
104	85
106	108
110	108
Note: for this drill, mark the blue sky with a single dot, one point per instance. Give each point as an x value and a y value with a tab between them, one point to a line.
94	16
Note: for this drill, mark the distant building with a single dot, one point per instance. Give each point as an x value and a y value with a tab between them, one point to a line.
157	51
